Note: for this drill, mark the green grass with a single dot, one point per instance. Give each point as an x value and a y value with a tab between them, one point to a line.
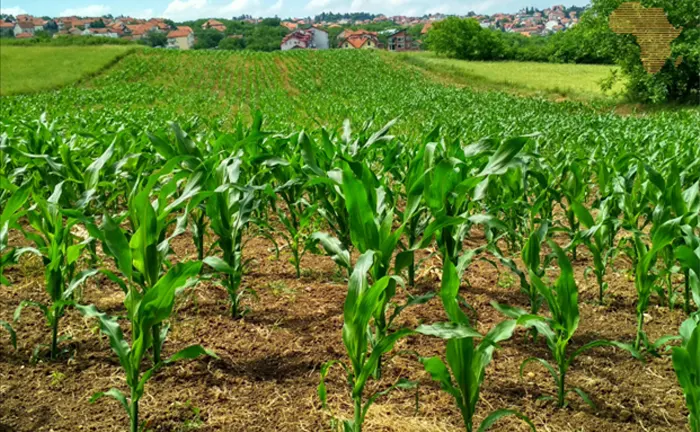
572	81
37	68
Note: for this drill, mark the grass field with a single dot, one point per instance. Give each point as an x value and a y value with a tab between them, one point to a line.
572	81
222	199
32	69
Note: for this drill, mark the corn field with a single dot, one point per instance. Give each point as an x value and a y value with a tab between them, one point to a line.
332	241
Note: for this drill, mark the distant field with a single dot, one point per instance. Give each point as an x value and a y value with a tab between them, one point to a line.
575	81
32	69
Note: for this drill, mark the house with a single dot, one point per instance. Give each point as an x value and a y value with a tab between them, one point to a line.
320	37
138	31
289	25
24	36
39	24
311	38
181	38
214	24
299	39
24	27
400	41
360	39
100	32
6	28
426	27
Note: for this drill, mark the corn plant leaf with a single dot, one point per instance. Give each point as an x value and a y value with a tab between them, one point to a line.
502	159
334	248
11	331
78	280
600	343
582	214
219	265
16	201
363	228
110	327
116	395
385	345
448	330
189	353
157	303
439	372
117	245
449	292
492	418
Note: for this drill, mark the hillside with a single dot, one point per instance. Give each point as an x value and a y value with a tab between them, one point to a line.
32	69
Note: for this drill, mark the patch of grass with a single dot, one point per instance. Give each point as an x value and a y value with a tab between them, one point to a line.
570	81
37	68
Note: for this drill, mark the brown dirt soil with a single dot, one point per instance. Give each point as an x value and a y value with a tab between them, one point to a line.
268	371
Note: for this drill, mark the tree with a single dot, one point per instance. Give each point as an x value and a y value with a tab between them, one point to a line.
97	24
154	39
271	22
232	43
672	83
51	26
207	39
465	39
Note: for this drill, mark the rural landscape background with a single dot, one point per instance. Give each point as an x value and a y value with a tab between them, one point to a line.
350	221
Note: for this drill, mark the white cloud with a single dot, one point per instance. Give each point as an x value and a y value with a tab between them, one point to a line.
275	8
87	11
237	7
317	5
14	11
186	9
143	14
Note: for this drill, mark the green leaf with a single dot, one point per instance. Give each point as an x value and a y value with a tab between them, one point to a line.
78	280
499	414
13	335
110	327
117	395
334	248
117	245
157	303
448	330
583	215
189	353
600	343
500	161
219	265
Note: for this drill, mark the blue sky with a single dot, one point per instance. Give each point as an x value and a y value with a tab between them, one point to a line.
179	10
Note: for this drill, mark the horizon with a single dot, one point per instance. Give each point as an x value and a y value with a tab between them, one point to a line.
191	10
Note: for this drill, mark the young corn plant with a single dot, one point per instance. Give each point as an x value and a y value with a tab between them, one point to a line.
361	302
662	237
297	213
530	255
455	178
9	255
230	210
59	250
686	363
599	239
144	312
558	330
142	255
466	359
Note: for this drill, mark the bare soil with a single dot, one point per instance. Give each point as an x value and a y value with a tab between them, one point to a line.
268	371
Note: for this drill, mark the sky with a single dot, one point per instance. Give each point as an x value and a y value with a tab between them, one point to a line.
180	10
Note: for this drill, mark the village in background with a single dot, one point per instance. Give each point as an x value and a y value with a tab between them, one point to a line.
324	31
